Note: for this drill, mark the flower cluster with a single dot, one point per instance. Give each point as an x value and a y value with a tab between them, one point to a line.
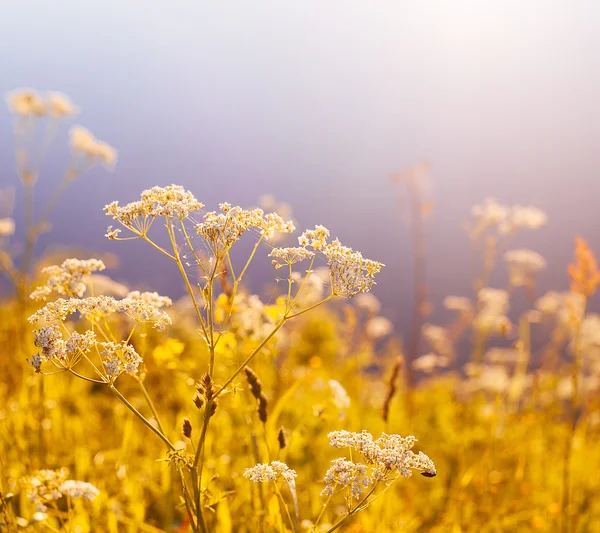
492	306
87	150
172	201
568	307
119	358
458	303
46	486
439	339
79	489
346	474
224	229
7	227
137	308
350	272
340	397
378	327
116	357
388	453
29	103
523	265
289	256
67	279
315	238
263	473
507	219
153	299
429	362
54	347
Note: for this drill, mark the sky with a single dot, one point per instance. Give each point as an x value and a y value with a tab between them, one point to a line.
319	103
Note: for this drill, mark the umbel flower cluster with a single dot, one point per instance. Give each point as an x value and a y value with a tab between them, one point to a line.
44	487
65	349
103	351
350	273
385	458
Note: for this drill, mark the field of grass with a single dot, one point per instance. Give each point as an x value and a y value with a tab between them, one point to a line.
222	412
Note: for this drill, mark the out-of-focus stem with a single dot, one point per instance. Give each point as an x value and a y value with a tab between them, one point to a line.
419	277
566	513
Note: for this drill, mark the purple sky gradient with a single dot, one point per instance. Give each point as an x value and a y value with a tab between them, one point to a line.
318	103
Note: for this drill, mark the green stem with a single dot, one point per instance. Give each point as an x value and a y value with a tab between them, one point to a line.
151	405
252	355
338	524
285	506
324	300
146	422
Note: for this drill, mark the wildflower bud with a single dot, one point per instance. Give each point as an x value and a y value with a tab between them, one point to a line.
262	409
187	428
282	438
254	382
198	401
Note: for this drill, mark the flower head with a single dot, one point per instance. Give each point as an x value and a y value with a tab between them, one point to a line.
172	201
67	278
350	272
263	473
86	149
346	474
523	265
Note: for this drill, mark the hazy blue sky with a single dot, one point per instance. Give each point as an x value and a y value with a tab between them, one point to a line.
318	103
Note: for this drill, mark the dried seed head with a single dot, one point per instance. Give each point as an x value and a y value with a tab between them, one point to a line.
391	389
213	407
199	401
187	428
262	409
282	438
206	387
254	382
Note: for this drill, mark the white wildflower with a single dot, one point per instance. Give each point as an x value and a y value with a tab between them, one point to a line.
263	473
68	278
85	148
350	272
79	489
523	265
346	474
340	396
378	327
7	227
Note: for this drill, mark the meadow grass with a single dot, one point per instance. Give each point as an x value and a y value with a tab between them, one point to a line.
122	411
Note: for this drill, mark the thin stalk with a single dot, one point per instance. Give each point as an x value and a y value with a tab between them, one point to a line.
324	300
187	502
316	522
253	354
338	524
158	433
285	506
151	405
184	275
419	278
567	513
